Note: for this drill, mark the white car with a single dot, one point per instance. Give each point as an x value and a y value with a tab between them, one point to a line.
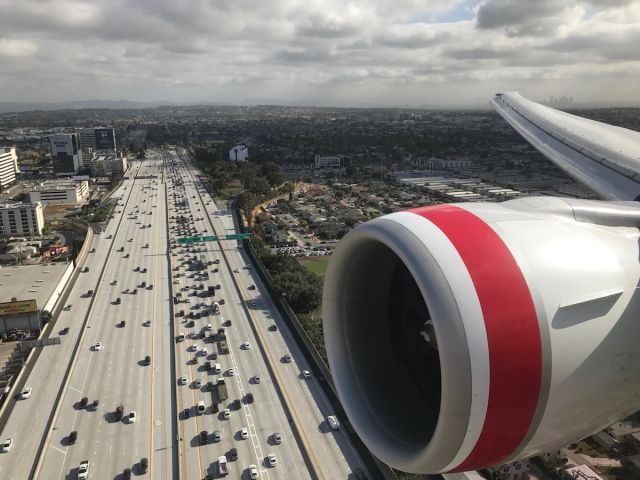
253	471
226	413
256	379
306	374
25	393
97	346
132	417
7	444
272	461
244	433
246	345
231	372
83	470
182	380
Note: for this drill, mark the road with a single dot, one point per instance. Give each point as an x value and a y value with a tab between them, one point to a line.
333	454
156	192
116	374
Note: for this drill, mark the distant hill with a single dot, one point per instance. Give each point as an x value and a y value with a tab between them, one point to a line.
6	107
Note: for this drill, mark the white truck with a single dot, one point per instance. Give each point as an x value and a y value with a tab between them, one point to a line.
222	466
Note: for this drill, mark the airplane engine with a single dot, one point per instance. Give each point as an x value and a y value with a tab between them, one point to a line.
463	336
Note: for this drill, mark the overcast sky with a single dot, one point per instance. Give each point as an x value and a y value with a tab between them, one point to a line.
325	52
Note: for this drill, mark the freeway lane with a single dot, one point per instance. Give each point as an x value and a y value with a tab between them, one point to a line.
262	418
336	456
27	424
117	373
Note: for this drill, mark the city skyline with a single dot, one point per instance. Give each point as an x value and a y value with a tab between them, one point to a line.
445	54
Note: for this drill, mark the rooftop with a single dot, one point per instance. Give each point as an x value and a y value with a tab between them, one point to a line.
27	282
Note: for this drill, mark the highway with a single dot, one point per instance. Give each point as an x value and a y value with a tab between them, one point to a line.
331	451
28	420
116	374
140	245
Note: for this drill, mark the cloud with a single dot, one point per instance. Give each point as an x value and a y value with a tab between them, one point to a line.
17	48
318	50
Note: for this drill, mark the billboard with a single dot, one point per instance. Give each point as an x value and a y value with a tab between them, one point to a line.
13	308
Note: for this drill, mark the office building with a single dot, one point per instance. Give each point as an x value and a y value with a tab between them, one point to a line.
60	192
66	153
239	153
105	165
8	166
325	161
98	138
21	219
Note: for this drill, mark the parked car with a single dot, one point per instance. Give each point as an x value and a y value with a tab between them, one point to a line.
7	444
73	436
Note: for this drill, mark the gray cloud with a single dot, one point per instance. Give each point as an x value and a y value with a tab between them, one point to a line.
324	50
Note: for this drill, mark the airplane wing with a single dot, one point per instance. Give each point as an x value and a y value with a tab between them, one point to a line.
603	157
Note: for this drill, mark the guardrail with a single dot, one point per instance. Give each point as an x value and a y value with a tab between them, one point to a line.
376	468
34	354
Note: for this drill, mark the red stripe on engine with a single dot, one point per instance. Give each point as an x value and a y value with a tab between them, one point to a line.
513	334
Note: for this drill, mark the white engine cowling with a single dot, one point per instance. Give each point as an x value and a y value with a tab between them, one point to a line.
469	335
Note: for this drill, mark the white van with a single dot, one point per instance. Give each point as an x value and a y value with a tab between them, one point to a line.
333	422
201	407
216	368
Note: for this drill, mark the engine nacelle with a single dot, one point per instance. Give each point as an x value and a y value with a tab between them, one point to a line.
469	335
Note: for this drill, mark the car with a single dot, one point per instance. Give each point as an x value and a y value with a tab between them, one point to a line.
248	397
83	470
132	417
73	436
252	287
272	461
244	433
306	374
25	393
256	379
253	471
147	360
144	465
273	328
254	303
97	346
83	402
277	438
286	358
6	445
126	474
122	323
197	383
333	422
204	436
216	436
226	413
246	345
118	301
64	331
187	413
221	301
359	473
231	372
201	407
67	307
237	404
95	404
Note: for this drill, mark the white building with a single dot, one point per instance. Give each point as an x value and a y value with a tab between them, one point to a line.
66	153
60	192
326	161
239	153
8	165
454	163
21	219
105	165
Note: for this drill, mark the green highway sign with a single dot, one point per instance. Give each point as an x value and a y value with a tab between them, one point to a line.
213	238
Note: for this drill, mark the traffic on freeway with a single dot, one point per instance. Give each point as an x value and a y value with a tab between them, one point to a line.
173	362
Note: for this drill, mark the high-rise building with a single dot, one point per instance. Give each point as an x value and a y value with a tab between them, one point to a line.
66	153
8	165
21	219
98	138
